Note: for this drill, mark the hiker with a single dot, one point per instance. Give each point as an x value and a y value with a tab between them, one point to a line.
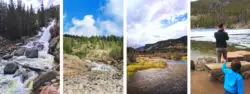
233	80
221	45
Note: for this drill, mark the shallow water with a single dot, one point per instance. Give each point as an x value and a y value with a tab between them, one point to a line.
13	85
236	36
169	80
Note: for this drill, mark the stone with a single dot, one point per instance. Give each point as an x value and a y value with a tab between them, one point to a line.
10	68
40	47
200	63
41	79
192	65
20	51
52	45
31	53
8	56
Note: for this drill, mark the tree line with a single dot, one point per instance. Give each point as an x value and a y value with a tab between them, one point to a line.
17	20
208	13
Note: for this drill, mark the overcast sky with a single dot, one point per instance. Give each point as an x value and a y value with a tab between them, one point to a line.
150	21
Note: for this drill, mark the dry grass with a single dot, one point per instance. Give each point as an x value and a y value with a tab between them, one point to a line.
144	63
73	65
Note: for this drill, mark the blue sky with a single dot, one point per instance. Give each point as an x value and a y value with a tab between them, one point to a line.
150	21
93	17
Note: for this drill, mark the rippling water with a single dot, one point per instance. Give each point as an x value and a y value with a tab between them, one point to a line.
236	36
169	80
13	85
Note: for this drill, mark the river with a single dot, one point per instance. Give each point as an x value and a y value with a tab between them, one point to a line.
236	36
10	84
169	80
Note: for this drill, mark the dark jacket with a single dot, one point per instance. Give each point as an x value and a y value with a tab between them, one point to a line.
221	37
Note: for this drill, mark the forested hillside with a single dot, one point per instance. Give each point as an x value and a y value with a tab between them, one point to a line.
208	13
95	47
17	20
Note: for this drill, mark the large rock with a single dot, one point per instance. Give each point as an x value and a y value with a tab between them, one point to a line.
53	43
40	80
200	63
54	48
20	51
31	53
10	68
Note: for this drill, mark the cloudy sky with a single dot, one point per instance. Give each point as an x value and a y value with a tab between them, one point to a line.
149	21
93	17
36	4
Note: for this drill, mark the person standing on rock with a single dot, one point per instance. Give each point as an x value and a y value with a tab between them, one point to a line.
221	45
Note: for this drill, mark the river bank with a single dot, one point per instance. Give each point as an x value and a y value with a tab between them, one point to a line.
82	75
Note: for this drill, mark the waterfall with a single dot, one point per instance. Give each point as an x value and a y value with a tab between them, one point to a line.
13	85
46	32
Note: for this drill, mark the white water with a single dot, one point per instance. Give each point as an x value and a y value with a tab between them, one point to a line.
101	67
236	36
13	85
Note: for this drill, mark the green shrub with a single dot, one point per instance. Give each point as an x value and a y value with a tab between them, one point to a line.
116	53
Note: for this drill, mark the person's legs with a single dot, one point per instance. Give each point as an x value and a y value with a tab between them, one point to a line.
224	52
218	50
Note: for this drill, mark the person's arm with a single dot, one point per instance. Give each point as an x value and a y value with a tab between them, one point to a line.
215	35
227	37
224	67
240	86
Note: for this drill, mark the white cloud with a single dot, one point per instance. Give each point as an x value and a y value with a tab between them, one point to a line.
111	28
84	27
89	26
145	18
115	8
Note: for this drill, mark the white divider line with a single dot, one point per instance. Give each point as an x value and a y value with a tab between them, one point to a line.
189	47
61	46
124	47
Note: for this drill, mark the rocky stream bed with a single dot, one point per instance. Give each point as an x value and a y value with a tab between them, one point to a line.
29	67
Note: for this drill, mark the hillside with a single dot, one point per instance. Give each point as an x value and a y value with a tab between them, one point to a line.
171	45
172	48
209	13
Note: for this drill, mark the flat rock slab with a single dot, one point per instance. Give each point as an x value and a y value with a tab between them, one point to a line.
215	71
217	66
240	55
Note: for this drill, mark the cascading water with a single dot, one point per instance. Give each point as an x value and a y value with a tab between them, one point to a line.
12	84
